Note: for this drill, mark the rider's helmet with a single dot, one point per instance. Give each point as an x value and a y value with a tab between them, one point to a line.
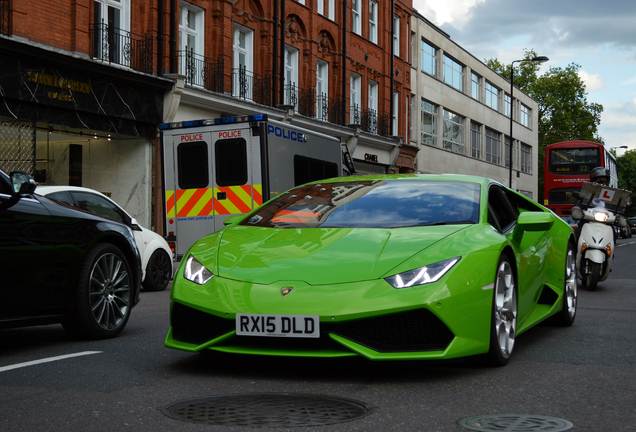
600	175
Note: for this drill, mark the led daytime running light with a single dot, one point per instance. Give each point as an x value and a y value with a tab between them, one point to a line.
424	275
195	272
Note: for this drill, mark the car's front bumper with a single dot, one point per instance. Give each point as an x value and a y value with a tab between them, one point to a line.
447	319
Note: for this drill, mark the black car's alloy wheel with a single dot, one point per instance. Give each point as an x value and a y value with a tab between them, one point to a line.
104	293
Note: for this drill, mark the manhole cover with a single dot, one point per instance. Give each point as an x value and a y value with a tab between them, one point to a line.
268	410
515	423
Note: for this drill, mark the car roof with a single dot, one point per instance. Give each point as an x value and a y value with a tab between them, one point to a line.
413	176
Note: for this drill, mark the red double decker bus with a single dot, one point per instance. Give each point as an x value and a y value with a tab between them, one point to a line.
567	166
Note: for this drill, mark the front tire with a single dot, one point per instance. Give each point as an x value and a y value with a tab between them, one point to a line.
104	295
590	280
566	315
504	314
158	271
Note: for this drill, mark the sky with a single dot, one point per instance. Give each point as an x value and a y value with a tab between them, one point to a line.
599	35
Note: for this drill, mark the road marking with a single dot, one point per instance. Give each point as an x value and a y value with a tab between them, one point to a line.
625	244
46	360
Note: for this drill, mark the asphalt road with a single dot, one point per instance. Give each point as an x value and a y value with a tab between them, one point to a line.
585	374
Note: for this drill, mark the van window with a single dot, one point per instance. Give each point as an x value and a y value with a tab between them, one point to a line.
308	170
192	162
231	162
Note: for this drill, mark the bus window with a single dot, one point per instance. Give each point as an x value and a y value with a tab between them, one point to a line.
574	160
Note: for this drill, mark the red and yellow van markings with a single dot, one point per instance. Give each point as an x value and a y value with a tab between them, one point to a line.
190	203
170	202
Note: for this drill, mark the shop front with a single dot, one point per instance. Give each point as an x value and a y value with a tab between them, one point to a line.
73	121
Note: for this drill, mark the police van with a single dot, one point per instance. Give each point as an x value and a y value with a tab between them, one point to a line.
228	166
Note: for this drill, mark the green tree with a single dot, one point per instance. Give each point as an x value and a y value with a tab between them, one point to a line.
564	111
627	175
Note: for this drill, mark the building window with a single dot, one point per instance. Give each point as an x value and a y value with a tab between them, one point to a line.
475	86
372	104
242	75
453	132
412	44
322	90
428	116
475	140
331	13
395	118
526	158
192	165
356	14
524	115
111	31
373	21
396	36
354	97
453	73
191	31
492	96
507	105
507	153
428	54
412	118
493	146
291	76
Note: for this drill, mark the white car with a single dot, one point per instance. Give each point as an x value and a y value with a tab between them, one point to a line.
156	256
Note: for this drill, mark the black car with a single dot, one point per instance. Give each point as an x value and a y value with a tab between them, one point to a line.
632	224
60	265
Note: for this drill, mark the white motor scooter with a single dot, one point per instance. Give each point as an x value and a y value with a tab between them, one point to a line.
596	244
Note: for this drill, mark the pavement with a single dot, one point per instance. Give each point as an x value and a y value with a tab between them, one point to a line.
585	374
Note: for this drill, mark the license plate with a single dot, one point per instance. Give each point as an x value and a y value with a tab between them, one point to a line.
298	326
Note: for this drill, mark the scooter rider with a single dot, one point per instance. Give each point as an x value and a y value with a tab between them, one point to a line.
600	175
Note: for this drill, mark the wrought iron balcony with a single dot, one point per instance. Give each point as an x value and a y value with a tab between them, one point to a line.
375	123
200	71
354	115
251	87
114	45
318	106
5	17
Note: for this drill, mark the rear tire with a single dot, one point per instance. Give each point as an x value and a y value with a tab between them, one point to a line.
565	317
103	297
503	324
158	271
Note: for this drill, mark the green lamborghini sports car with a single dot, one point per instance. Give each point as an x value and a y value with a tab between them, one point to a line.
384	267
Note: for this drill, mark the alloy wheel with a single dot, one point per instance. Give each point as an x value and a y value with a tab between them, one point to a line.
571	289
505	309
109	291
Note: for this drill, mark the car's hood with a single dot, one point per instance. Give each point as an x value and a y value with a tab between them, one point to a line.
320	255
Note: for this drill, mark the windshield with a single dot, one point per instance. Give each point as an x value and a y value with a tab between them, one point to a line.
372	204
574	161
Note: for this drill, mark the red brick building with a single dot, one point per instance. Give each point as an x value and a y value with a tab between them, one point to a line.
93	79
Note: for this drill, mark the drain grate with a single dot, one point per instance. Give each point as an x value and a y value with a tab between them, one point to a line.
268	410
515	423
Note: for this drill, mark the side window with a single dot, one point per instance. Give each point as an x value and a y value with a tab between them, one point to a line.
192	163
501	214
62	197
231	162
97	205
5	186
308	169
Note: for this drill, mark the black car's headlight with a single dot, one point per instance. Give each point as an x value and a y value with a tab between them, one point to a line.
423	275
196	272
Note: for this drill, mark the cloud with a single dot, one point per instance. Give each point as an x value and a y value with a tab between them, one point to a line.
592	82
563	23
618	125
444	11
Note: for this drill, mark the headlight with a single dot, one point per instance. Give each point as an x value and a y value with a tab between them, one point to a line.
600	217
430	273
195	271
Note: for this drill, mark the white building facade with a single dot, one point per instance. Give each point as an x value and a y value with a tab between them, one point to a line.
460	114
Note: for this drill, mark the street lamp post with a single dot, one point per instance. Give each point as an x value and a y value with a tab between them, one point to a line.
535	59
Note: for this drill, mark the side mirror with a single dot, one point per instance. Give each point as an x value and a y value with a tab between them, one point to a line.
134	225
22	183
530	220
231	220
